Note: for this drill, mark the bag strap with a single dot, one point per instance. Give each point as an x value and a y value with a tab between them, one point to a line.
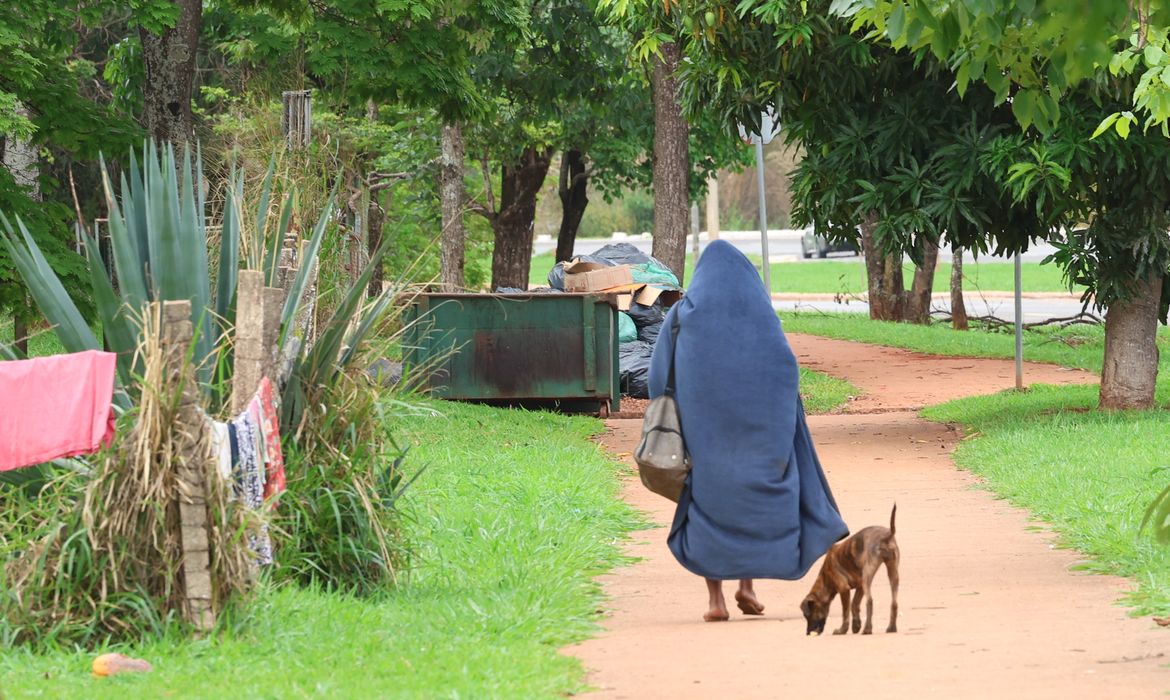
668	390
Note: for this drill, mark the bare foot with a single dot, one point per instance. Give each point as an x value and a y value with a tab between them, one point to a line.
748	603
716	615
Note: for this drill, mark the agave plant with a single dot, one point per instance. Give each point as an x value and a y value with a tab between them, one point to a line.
159	242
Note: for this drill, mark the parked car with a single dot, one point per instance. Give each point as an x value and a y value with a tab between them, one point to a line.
813	244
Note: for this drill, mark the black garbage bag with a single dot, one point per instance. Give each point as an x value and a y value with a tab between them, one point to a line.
556	276
634	368
622	254
645	268
649	334
646	315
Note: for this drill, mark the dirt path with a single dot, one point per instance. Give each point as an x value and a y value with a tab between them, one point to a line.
988	608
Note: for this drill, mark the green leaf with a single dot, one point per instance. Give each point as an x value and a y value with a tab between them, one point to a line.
1154	55
1105	124
129	262
896	23
1023	107
229	248
1122	125
962	77
46	289
120	331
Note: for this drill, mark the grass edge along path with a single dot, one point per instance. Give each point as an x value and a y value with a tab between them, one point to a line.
1088	474
822	393
516	516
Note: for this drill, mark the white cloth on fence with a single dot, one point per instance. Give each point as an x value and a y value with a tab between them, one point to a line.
221	440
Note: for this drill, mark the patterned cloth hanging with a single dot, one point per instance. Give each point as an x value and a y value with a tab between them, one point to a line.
247	446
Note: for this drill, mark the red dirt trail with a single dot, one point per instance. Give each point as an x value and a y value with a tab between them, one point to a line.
988	607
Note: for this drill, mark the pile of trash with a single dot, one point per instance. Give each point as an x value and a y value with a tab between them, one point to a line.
640	323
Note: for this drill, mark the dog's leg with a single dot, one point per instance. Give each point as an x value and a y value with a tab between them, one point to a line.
867	590
857	612
844	613
892	571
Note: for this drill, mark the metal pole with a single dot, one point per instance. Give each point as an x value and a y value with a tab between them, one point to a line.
695	232
1019	326
767	266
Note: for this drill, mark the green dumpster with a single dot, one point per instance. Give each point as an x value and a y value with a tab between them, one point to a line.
542	350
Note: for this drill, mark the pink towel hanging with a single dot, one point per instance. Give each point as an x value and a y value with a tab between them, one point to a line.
55	407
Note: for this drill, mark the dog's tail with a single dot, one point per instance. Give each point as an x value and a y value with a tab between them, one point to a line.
892	514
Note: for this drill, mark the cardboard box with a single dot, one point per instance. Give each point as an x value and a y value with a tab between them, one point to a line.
646	294
593	277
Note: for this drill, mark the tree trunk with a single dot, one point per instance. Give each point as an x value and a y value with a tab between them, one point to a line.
20	331
375	224
574	198
1131	353
375	221
883	276
672	165
169	58
22	160
512	225
917	306
958	307
451	197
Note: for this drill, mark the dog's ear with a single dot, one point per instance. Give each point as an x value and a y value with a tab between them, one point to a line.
806	607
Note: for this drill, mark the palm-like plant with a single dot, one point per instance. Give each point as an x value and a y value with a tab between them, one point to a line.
159	243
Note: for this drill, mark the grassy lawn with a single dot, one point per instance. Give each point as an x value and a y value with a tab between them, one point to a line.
1089	474
515	516
848	276
822	393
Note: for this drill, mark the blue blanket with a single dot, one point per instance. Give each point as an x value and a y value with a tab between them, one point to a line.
756	504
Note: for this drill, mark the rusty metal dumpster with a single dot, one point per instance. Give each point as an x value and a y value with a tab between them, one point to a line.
542	350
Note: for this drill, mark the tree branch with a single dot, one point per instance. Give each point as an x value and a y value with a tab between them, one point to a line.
478	208
588	173
487	183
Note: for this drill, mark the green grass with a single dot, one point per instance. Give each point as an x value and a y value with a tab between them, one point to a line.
822	393
41	343
1090	474
512	521
848	276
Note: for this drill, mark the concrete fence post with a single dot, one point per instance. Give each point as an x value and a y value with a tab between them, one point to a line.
194	462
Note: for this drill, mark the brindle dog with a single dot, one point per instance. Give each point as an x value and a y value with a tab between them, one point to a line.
850	566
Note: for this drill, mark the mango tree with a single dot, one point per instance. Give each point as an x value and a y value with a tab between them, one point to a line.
891	155
1074	71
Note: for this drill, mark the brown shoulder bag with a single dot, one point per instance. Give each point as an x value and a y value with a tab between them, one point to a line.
663	462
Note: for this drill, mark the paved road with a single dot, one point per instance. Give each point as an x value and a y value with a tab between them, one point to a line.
783	245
